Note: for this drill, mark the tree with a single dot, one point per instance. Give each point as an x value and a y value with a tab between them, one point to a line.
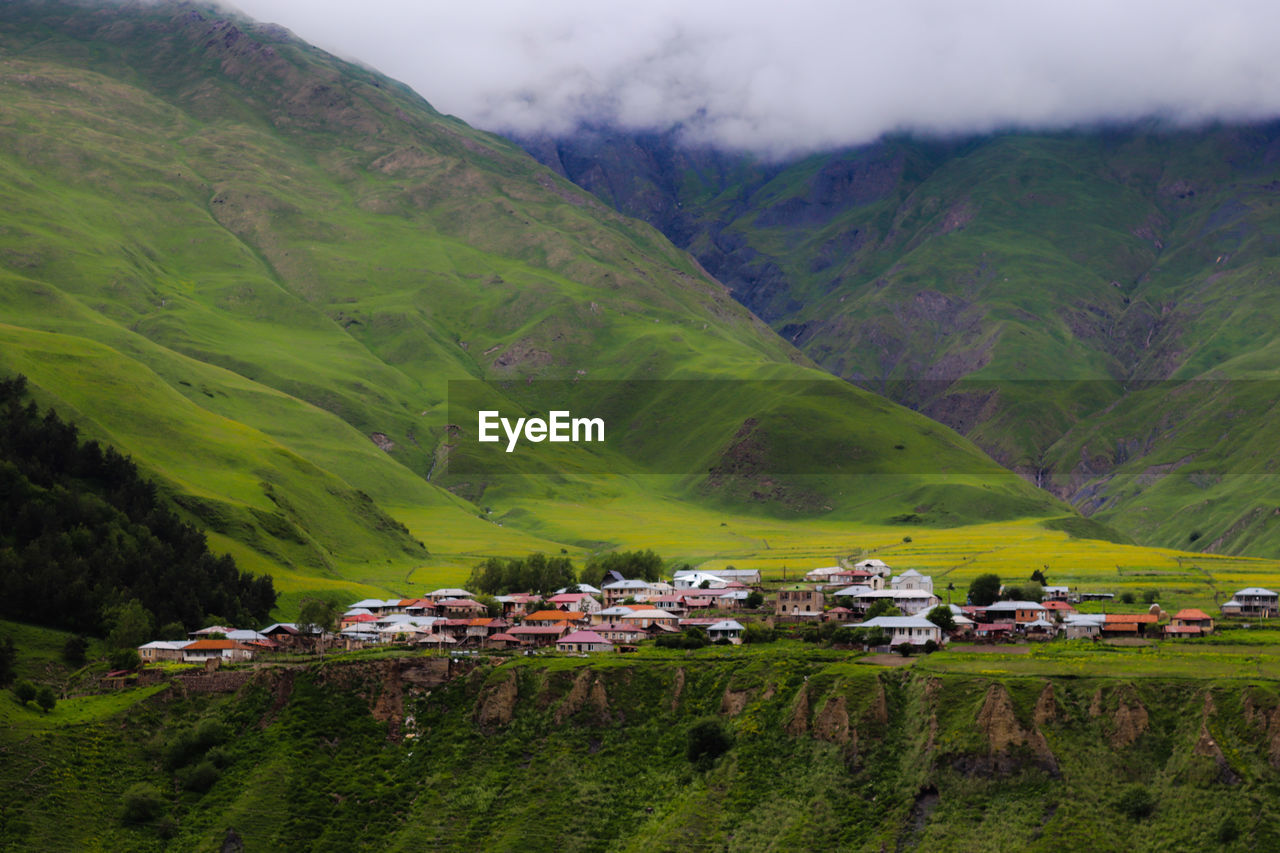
46	698
319	616
1136	802
1038	577
1126	597
129	624
633	565
74	650
883	607
984	590
8	661
708	740
758	632
124	659
1014	593
943	618
173	631
1033	592
141	803
1150	596
755	598
24	692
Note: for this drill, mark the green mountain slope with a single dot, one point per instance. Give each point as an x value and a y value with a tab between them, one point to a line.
1080	305
254	268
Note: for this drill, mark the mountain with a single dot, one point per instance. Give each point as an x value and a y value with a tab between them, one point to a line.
1091	308
255	268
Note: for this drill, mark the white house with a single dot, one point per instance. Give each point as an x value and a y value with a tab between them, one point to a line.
915	630
911	579
1253	601
876	567
909	601
695	580
161	650
726	629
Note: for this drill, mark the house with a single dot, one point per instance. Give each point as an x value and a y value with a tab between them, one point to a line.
875	567
516	604
1095	596
650	617
670	603
199	651
910	601
438	595
823	575
502	640
539	635
613	614
994	630
799	602
911	579
746	577
838	614
913	630
1054	593
726	629
1189	622
579	601
1057	607
583	641
550	618
222	630
1083	627
620	633
1254	601
1020	612
696	580
458	608
284	634
1115	623
622	590
159	651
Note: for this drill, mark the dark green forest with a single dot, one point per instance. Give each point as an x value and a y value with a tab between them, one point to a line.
82	532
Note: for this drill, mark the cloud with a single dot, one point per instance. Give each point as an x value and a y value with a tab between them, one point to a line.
810	74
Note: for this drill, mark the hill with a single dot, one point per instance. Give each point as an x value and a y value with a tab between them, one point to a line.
756	749
255	268
1091	308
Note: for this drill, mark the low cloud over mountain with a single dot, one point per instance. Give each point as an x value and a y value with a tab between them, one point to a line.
814	73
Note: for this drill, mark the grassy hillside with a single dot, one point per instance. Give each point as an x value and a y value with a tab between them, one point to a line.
254	268
816	751
1083	306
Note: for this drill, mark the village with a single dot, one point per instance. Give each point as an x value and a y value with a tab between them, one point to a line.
863	606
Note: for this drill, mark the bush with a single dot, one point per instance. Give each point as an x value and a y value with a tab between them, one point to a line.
984	590
1150	596
1228	831
46	698
708	740
1136	803
125	659
199	777
74	651
141	803
905	649
930	647
1126	597
758	632
24	692
755	599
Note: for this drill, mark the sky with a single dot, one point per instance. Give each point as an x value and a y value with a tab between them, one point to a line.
783	78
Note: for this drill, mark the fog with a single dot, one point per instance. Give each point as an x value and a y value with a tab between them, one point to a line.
781	78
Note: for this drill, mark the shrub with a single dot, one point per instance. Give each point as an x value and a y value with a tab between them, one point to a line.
905	649
755	599
46	698
125	659
1136	802
1126	597
930	647
1228	831
141	803
74	650
199	777
758	632
1150	596
708	740
24	692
